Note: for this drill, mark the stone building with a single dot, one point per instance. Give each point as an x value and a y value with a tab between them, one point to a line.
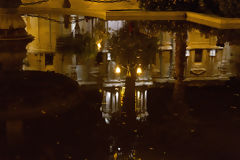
204	61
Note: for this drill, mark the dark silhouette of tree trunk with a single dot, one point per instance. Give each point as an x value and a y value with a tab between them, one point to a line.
129	99
66	4
178	107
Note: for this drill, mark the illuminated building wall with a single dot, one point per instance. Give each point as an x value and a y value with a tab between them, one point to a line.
42	54
203	57
164	59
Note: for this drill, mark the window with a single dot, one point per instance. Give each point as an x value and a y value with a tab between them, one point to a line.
198	55
187	53
109	57
48	59
212	53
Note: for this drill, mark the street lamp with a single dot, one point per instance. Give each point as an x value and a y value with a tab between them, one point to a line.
139	70
118	70
99	46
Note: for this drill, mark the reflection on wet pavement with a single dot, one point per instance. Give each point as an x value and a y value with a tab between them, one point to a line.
117	89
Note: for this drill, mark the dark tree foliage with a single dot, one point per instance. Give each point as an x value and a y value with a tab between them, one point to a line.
179	30
66	4
130	46
229	8
10	3
152	28
164	5
81	44
211	6
226	8
231	36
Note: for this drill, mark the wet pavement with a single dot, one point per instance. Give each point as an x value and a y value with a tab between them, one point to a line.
79	87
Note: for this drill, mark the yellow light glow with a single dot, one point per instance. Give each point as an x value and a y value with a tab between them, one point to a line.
43	112
99	45
139	70
118	70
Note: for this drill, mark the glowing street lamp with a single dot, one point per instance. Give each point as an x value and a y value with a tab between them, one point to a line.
118	70
99	46
139	70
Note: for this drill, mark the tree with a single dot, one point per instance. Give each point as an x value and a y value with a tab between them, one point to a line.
226	8
10	3
179	32
163	5
66	4
82	45
129	46
178	105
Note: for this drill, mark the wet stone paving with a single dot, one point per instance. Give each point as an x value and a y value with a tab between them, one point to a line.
82	88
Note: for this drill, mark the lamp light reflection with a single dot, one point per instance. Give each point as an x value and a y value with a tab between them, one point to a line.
99	45
118	70
139	70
